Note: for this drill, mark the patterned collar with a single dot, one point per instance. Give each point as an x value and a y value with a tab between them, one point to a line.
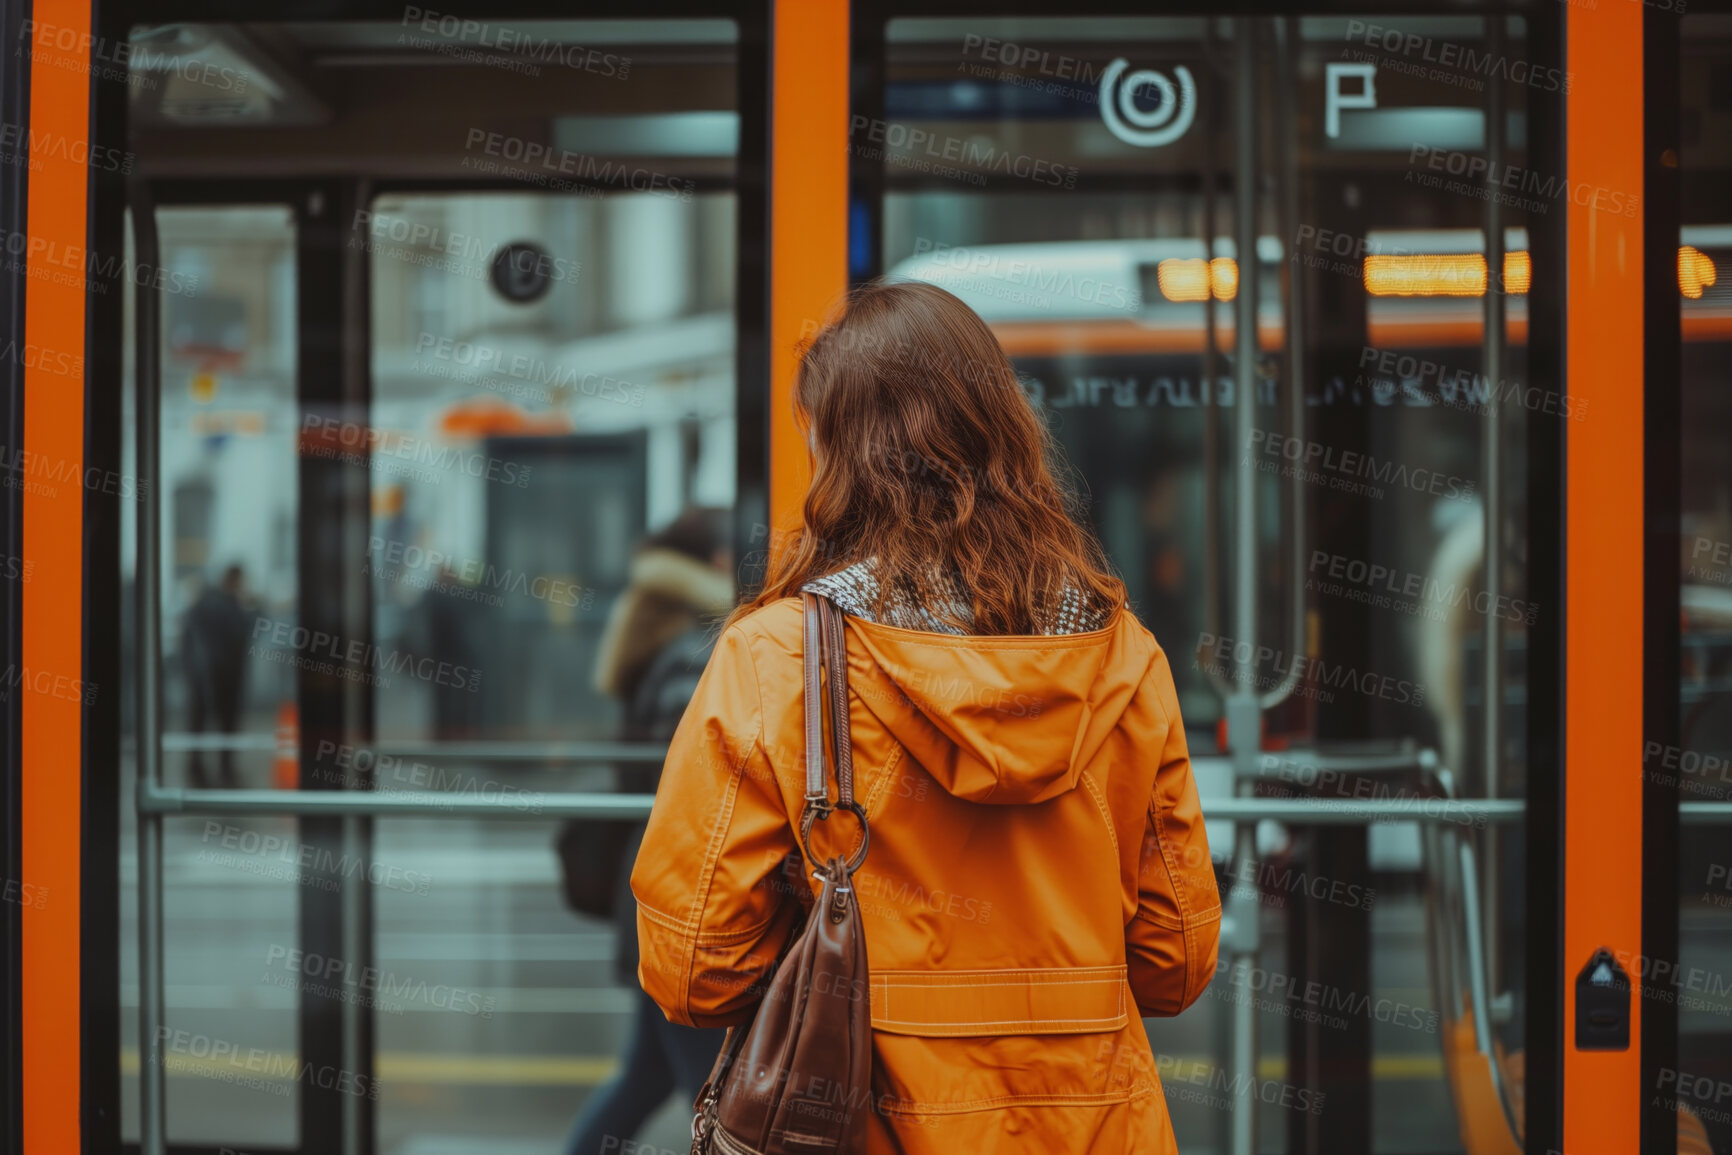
854	590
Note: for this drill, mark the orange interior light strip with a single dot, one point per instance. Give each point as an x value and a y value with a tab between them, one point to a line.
1190	279
1441	274
1454	275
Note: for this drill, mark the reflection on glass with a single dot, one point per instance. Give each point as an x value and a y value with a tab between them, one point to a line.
566	427
554	422
228	485
531	283
1074	181
553	386
229	510
1701	766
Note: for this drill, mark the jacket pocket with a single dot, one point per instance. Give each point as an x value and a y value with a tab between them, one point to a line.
948	1043
925	1079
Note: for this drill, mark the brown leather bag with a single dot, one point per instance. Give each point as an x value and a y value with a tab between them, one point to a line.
798	1079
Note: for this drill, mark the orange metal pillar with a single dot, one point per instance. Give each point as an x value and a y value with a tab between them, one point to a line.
1603	558
51	685
808	217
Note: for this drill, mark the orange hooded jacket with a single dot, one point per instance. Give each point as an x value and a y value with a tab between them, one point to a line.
1038	877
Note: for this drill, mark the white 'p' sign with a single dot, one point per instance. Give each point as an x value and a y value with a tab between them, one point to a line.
1334	100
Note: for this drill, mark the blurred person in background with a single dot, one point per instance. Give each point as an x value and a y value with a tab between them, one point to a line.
444	626
658	639
213	647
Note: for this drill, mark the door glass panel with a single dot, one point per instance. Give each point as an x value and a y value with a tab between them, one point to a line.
603	409
434	409
228	504
553	380
1701	765
1074	180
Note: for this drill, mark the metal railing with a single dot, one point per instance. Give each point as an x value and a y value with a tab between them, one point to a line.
152	1103
158	802
574	753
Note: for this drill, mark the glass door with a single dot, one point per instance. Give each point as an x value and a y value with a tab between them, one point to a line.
448	385
227	500
1695	761
1269	281
602	402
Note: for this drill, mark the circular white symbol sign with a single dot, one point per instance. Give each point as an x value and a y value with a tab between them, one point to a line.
1147	128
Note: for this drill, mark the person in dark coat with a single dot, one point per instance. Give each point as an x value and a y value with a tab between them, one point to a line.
213	646
450	629
657	641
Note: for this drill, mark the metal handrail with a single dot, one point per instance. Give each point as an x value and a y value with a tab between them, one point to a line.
1211	375
392	804
1244	718
433	804
1479	978
1403	759
1293	335
1492	480
635	753
147	376
1333	812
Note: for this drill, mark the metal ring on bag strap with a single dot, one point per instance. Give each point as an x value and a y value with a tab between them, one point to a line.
808	816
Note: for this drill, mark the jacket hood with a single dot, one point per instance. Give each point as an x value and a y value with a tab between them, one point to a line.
1007	720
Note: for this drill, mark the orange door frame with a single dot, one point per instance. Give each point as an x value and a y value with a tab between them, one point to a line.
1603	550
53	477
808	219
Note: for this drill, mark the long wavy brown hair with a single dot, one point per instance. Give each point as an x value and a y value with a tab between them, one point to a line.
929	461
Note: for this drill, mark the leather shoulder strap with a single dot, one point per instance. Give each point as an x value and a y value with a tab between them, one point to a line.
816	792
836	691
